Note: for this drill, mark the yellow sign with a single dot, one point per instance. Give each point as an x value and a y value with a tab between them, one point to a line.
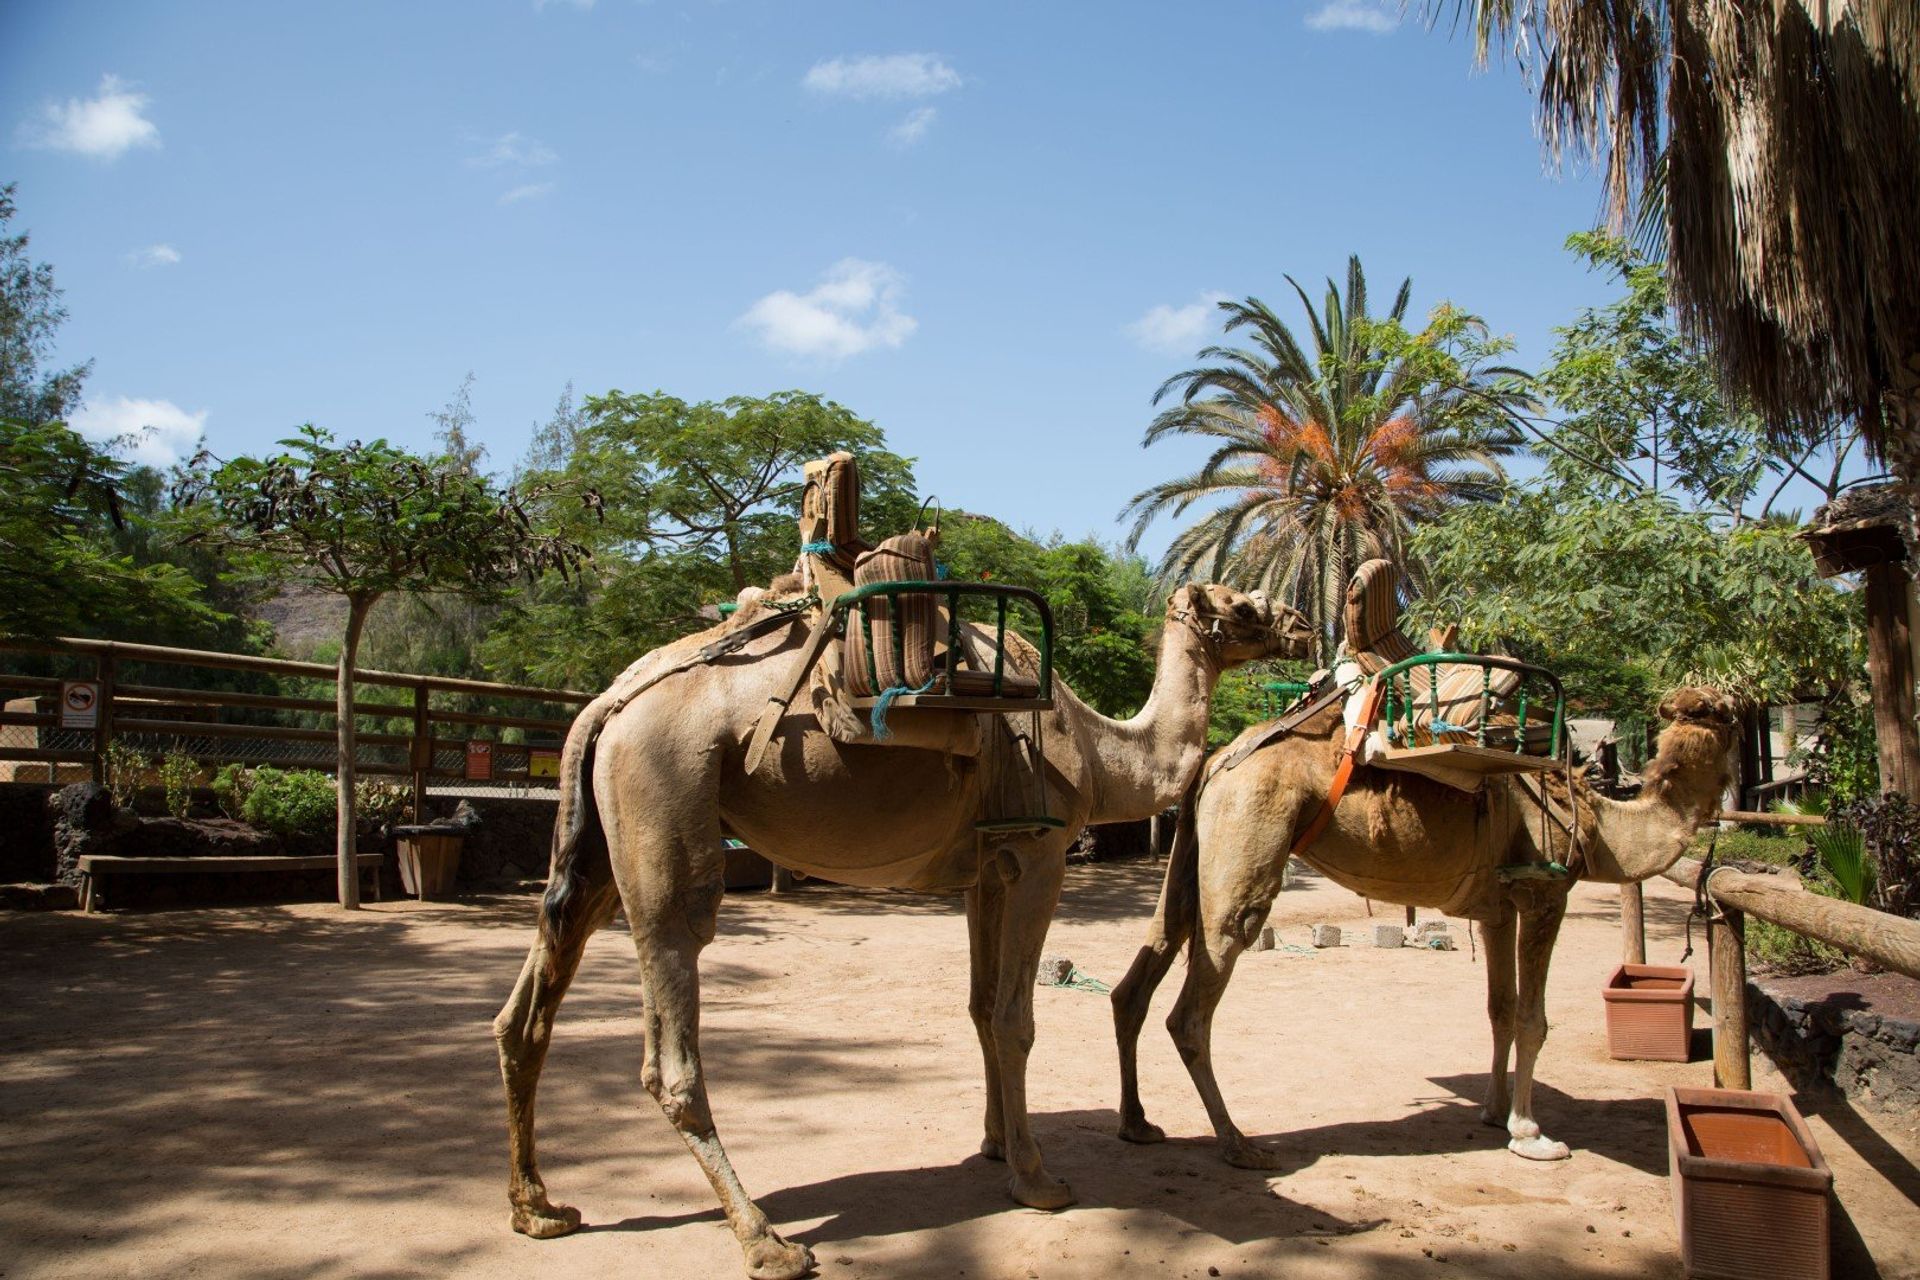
543	764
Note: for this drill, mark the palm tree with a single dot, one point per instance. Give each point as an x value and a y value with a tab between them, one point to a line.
1774	146
1321	461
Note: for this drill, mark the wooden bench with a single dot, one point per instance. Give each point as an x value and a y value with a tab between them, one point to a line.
95	865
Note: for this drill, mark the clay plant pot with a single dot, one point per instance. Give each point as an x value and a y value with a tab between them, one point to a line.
1749	1186
429	859
1649	1012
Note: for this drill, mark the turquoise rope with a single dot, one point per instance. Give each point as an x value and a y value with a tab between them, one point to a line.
817	549
880	731
1443	726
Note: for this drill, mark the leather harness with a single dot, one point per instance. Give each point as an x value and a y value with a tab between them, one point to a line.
1317	702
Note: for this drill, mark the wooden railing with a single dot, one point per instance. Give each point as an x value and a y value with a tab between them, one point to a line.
1890	941
149	713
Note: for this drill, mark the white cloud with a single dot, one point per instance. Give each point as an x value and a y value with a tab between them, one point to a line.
854	308
510	150
896	75
1376	16
154	255
526	191
913	128
161	432
104	126
1176	330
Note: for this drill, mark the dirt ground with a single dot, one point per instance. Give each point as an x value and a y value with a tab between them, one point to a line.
289	1091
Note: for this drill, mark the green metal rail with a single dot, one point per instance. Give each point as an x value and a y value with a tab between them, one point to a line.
952	591
1399	708
1278	695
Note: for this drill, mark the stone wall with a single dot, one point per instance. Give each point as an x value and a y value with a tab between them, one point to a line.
1821	1044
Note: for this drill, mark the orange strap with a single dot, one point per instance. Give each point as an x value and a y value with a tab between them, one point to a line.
1342	772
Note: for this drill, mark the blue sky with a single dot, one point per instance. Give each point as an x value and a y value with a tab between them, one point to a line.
986	227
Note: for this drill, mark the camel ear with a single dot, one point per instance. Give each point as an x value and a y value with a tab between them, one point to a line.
1667	711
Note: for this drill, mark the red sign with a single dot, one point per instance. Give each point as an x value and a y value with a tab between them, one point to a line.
479	761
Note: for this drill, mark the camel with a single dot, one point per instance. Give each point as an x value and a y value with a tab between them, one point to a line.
651	781
1402	838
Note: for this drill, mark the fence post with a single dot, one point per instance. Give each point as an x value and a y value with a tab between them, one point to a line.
420	752
1633	924
1727	945
104	670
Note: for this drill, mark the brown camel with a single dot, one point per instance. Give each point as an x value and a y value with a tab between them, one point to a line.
1401	838
650	783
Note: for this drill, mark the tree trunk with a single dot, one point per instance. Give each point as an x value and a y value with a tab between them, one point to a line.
344	817
1890	660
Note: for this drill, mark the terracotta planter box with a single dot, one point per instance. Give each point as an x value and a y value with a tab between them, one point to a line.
1749	1186
429	859
1649	1012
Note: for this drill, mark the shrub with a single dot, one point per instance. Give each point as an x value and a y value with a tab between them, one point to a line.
231	786
127	772
1784	951
178	772
1890	826
379	803
286	803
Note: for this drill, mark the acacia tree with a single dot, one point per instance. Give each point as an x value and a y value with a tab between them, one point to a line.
364	520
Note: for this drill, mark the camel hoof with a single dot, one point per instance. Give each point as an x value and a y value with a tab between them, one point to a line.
771	1258
1142	1131
992	1150
1043	1192
1539	1147
546	1221
1248	1155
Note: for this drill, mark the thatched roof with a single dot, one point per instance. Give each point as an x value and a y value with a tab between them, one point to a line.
1784	138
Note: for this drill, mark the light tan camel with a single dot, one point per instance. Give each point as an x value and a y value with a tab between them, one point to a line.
649	785
1400	838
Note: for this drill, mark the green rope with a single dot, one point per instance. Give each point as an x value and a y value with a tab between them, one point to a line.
1079	981
818	549
881	732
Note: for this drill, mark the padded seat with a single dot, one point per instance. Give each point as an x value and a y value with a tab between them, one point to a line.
1374	642
979	684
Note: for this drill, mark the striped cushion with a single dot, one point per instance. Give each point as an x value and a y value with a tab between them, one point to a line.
1459	696
907	558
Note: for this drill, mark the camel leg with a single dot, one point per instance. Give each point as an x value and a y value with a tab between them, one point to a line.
673	902
523	1030
1496	938
986	905
1227	924
1172	925
1539	927
1029	899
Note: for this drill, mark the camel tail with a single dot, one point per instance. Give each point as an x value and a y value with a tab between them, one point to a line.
580	862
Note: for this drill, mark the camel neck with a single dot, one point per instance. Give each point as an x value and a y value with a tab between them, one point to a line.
1640	838
1142	765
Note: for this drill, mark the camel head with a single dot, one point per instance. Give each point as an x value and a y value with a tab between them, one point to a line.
1696	747
1240	626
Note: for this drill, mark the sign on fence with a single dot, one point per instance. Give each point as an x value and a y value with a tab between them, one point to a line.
79	704
479	761
542	763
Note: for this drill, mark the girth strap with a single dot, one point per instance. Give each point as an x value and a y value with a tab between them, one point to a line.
732	642
1342	772
1317	701
776	709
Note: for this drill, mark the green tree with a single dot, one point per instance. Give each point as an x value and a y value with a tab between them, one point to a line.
30	315
700	501
1627	596
60	503
365	520
1326	457
1642	410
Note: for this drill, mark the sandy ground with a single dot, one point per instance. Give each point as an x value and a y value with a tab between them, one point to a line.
290	1091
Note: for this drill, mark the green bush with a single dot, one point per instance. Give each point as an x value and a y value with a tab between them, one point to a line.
178	771
231	787
286	803
127	771
1784	951
378	803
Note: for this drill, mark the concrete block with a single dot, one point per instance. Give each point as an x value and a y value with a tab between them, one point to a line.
1056	971
1388	935
1326	935
1264	940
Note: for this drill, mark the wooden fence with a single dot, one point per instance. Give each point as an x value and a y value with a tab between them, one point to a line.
419	737
1776	897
